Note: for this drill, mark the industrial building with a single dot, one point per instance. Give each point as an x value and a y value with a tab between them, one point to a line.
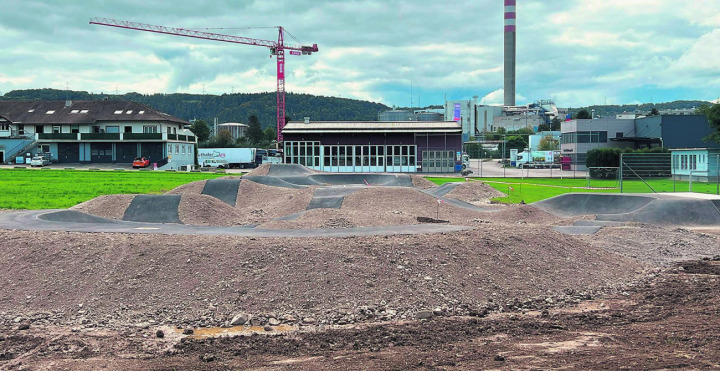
93	132
399	146
237	130
669	131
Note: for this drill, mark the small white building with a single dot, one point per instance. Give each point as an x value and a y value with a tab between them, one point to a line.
236	129
700	163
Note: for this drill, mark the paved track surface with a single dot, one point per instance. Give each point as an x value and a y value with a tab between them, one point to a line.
331	197
153	209
225	190
664	209
71	222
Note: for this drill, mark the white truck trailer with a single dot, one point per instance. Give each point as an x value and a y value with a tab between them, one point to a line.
236	157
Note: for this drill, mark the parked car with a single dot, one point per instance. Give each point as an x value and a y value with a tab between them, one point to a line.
220	164
39	161
141	162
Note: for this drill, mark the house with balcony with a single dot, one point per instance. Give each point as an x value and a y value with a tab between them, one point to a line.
94	132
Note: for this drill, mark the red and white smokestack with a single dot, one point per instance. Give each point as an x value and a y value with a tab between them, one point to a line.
510	28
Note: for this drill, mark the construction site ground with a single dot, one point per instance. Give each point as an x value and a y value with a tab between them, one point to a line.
508	287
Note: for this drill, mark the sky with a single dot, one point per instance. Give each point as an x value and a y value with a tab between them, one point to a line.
578	53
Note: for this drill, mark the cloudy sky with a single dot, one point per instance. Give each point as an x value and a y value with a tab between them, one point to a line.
578	53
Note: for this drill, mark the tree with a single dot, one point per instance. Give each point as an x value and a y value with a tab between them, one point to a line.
654	112
515	142
713	115
224	139
555	124
254	133
583	114
201	130
269	134
548	143
543	127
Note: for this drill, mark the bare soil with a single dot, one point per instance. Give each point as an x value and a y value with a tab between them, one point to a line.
474	192
199	209
419	181
260	170
108	206
260	203
189	188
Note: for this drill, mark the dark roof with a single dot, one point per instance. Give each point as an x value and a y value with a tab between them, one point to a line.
36	112
371	127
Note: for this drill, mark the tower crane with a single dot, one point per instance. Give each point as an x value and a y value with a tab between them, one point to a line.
277	48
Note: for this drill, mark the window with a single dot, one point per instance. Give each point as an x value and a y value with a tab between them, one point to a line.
128	129
74	129
182	148
112	129
56	129
118	112
141	112
50	112
21	129
129	112
83	111
619	134
169	151
177	148
4	126
150	129
96	129
31	110
75	111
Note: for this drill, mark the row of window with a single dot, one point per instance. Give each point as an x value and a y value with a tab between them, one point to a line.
309	154
586	137
688	162
180	149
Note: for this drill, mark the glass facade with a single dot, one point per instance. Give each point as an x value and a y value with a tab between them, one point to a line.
352	158
584	137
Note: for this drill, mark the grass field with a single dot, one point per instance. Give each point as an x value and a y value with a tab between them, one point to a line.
536	189
54	189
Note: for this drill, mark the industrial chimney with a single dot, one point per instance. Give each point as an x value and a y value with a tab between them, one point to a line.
510	52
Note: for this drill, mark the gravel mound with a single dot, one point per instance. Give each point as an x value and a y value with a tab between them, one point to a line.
260	170
381	206
260	203
115	280
198	209
522	214
419	181
108	206
474	192
189	188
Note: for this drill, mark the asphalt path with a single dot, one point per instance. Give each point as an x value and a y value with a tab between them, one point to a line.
32	220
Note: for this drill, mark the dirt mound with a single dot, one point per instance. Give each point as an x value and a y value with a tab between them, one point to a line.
382	206
198	209
189	188
260	170
108	206
259	202
521	214
419	181
475	192
118	280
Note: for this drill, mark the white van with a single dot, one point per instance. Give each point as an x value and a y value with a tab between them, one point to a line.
220	164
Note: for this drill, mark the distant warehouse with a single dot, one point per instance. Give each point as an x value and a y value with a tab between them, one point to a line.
369	146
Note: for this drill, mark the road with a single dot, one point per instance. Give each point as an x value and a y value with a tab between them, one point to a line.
493	169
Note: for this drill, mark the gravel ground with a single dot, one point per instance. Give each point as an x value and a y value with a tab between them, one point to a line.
199	209
189	188
260	170
419	181
82	279
109	206
474	192
260	203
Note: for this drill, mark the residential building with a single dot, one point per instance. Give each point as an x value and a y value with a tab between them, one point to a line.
94	132
366	146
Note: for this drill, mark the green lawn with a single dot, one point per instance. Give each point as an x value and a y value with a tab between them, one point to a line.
53	189
536	189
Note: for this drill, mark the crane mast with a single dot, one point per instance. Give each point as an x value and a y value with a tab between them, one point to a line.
277	48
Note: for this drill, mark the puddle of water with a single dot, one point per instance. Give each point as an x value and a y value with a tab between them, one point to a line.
209	332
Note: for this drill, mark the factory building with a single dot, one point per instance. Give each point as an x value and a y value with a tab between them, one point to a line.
367	146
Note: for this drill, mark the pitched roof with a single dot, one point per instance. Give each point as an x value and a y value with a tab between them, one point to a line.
80	112
372	127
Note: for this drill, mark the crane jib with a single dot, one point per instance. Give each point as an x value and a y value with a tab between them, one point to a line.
276	48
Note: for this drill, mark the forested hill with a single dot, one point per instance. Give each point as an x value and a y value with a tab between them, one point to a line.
226	107
611	110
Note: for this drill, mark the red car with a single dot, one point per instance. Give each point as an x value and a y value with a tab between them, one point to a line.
141	162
